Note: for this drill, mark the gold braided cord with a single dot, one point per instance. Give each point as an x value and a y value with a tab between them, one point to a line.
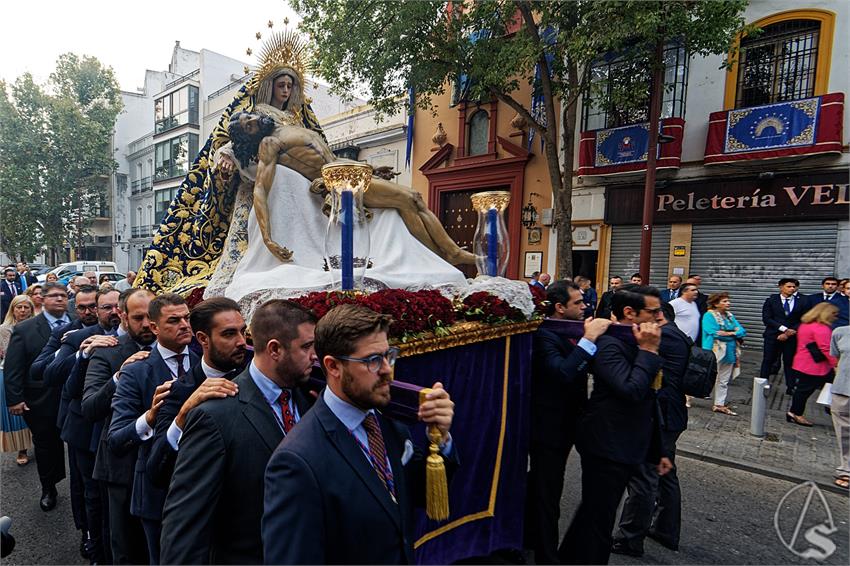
283	49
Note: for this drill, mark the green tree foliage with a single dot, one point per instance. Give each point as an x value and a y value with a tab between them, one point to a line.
55	154
385	47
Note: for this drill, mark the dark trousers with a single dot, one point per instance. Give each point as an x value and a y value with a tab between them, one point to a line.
773	350
153	530
651	494
77	488
588	540
543	500
47	445
806	385
93	503
105	536
126	534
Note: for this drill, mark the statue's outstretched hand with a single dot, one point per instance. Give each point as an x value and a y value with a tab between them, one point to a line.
226	164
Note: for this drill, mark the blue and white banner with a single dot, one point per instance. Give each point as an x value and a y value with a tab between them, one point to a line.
775	126
617	146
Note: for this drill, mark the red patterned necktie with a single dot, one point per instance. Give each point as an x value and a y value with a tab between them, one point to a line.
377	451
286	411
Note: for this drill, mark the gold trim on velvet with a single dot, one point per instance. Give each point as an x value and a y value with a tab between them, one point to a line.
494	486
464	333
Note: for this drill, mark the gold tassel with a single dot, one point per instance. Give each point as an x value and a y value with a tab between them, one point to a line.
436	486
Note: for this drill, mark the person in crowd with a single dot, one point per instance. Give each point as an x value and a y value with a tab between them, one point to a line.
342	488
558	396
841	299
535	281
672	291
86	316
220	330
25	276
615	432
721	332
35	294
813	362
840	406
781	314
686	312
27	396
51	278
636	279
545	279
9	289
604	308
92	277
15	436
104	281
702	298
68	368
215	502
829	289
114	472
74	285
142	388
654	505
127	282
588	295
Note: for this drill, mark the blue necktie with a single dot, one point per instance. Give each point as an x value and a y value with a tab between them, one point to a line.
787	306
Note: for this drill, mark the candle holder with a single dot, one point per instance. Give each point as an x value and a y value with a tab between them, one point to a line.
490	243
347	240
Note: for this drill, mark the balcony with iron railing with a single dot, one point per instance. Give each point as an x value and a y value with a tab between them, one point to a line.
179	80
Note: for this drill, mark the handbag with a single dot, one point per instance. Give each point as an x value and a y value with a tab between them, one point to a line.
825	397
815	352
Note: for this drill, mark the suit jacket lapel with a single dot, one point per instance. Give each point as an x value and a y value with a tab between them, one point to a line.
161	369
257	411
353	455
43	327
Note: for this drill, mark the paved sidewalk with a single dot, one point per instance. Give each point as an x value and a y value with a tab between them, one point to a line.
788	451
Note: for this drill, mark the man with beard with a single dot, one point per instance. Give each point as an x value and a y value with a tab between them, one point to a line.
68	369
342	487
220	330
141	391
115	473
215	502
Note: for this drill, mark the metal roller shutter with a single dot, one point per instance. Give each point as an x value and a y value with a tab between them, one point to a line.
747	260
625	253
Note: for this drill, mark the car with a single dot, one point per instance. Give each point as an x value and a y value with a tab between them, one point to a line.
65	270
111	276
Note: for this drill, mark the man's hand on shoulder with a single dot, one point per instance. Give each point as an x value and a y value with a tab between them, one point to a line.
595	327
97	341
211	388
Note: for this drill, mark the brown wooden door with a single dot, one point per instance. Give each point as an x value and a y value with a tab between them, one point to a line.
460	220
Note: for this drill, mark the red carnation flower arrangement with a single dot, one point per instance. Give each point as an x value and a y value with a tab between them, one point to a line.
538	295
484	307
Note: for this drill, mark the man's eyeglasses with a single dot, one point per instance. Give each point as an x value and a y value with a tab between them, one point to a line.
83	308
375	361
107	308
653	311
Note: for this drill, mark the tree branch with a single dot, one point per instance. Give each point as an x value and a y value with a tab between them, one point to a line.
521	110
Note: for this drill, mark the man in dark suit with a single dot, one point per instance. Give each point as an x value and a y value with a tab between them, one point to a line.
9	289
215	502
649	492
24	276
558	395
672	291
142	388
115	473
616	431
27	394
86	318
781	314
342	487
604	308
68	370
588	295
829	286
220	330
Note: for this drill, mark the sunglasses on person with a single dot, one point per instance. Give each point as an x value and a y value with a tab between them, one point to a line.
375	361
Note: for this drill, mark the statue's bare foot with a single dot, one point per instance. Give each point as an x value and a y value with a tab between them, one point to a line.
461	257
280	252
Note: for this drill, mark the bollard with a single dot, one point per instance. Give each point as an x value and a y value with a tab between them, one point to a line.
761	391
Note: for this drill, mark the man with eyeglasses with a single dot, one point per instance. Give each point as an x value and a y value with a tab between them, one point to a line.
342	488
67	370
215	502
28	395
615	433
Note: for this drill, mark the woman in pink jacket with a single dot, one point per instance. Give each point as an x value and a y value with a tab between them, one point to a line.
812	361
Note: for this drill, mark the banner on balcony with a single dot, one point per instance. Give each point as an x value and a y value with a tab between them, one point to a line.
775	126
618	146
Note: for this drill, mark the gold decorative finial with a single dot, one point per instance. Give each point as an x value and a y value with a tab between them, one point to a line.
440	135
259	35
270	24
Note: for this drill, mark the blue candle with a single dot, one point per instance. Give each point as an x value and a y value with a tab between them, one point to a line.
347	252
492	242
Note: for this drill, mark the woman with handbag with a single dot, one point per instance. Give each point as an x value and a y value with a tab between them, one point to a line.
812	360
721	332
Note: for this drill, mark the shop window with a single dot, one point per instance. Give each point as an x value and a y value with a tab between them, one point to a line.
779	64
479	133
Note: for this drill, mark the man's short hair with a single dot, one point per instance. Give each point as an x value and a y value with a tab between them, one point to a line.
126	294
343	326
101	291
8	269
615	277
204	312
686	287
53	285
535	274
162	301
632	295
785	280
87	289
679	277
669	312
636	275
278	319
559	292
825	279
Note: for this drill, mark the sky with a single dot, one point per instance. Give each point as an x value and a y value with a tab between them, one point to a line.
130	37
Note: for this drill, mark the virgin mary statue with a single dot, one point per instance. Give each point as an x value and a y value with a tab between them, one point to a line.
230	234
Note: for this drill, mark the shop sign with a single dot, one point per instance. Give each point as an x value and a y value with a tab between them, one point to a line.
817	196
